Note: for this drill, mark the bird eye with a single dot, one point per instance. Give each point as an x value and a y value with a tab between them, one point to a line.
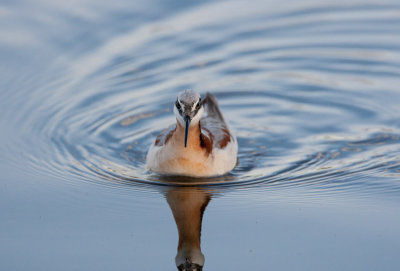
178	106
198	104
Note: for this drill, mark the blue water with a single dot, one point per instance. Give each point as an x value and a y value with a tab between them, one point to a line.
309	87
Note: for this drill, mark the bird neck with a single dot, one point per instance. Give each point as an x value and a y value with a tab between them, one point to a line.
193	140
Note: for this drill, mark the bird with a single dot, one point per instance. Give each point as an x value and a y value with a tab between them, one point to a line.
199	144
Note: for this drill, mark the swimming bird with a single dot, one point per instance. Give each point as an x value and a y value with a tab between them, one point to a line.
200	144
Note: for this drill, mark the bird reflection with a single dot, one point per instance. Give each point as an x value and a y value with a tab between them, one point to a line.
187	205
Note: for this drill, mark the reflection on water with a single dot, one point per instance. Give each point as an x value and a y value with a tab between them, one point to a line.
188	205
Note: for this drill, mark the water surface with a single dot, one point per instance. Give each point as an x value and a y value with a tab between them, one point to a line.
310	89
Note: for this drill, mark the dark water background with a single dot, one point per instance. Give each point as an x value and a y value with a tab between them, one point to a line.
311	89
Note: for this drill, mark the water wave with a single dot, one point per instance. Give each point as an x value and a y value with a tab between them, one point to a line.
309	92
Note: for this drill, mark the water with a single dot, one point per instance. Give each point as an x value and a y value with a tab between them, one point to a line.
310	89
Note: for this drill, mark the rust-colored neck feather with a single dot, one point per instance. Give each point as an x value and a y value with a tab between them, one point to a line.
193	141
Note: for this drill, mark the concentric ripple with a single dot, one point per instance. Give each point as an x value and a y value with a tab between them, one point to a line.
310	91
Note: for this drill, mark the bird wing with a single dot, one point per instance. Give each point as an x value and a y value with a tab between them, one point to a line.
213	128
165	135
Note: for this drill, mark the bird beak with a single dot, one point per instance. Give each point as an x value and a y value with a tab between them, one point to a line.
187	123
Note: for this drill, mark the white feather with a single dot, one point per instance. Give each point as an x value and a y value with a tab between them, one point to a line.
219	162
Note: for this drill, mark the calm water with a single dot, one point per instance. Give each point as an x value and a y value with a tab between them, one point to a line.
310	88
